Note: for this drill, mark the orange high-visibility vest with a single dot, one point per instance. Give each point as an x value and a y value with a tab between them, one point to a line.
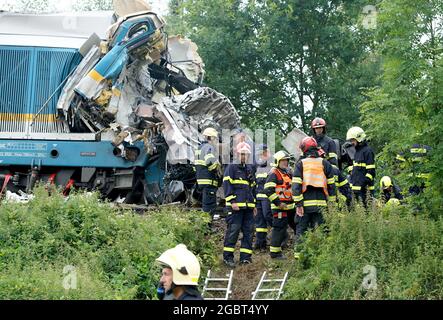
284	190
314	174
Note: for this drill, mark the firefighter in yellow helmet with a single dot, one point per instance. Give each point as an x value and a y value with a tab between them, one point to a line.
207	167
278	189
180	275
390	192
362	171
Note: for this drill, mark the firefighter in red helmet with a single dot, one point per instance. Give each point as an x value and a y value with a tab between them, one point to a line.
318	126
313	185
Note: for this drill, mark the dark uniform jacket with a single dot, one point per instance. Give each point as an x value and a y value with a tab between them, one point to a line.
313	199
261	174
190	294
329	147
396	193
206	165
239	185
362	172
342	184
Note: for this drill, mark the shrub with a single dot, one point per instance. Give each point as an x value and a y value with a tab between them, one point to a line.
405	249
113	250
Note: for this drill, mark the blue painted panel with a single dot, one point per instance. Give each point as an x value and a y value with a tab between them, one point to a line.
15	79
154	174
52	66
70	154
29	76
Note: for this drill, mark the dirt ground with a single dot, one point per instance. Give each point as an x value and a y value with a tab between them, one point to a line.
247	277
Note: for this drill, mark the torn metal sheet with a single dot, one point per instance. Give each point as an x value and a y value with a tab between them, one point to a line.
183	115
292	141
83	68
184	56
125	7
137	80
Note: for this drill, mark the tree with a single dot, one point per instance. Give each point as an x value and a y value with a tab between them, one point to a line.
282	62
407	107
93	5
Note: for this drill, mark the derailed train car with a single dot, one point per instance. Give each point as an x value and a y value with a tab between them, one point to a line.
102	102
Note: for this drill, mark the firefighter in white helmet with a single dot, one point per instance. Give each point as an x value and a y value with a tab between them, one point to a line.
363	166
180	275
239	187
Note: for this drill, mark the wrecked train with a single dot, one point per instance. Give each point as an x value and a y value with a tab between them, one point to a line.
102	102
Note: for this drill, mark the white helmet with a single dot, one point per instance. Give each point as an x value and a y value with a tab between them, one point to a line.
184	264
356	133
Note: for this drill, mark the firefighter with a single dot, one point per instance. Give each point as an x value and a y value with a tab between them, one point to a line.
362	171
415	158
239	188
390	191
207	168
341	184
313	186
180	274
263	218
279	193
318	126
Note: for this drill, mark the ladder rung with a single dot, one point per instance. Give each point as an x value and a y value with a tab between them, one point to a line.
217	279
216	289
267	290
273	280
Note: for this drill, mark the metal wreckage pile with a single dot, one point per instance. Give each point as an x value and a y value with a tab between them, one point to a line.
141	85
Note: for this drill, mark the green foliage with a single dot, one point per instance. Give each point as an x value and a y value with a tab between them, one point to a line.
291	60
113	251
407	106
93	5
406	251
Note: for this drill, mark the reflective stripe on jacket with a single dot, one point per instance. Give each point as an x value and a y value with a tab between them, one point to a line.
363	168
278	188
239	185
206	165
260	177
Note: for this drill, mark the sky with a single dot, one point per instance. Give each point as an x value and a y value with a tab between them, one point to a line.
159	6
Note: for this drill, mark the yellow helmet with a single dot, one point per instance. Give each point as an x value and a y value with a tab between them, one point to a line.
210	132
280	155
184	264
385	182
356	133
394	202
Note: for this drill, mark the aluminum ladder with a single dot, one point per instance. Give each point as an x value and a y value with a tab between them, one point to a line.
226	290
280	282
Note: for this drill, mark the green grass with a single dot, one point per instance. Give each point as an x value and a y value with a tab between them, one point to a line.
405	249
113	251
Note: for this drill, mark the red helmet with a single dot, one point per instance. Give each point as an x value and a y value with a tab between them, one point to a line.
318	123
307	143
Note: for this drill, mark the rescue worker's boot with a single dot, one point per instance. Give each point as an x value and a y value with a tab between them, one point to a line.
229	262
